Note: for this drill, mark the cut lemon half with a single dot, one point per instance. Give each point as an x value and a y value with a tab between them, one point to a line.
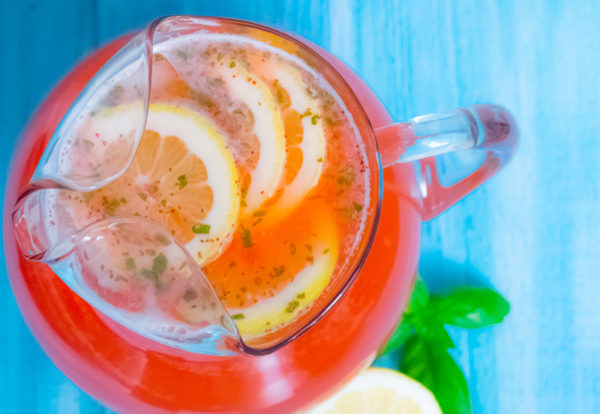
260	159
267	277
304	134
380	390
182	177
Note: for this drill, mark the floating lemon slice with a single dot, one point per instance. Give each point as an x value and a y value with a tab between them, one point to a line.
182	176
261	160
304	133
268	276
381	390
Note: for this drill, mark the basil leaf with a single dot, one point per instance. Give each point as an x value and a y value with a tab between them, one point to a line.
471	307
417	302
433	331
399	337
419	296
435	368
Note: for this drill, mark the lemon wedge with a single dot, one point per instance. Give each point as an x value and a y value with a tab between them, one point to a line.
380	390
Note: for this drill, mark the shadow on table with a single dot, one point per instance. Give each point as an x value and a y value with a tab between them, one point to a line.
442	274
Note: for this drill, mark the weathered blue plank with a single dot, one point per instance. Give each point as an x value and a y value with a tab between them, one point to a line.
531	232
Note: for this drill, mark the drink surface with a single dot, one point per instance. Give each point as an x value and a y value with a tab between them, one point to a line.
252	163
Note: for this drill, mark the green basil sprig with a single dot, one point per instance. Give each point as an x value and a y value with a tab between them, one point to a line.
423	337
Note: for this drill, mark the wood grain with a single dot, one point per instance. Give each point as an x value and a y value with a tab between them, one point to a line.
532	232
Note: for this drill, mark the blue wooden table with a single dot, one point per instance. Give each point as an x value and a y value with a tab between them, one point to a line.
531	232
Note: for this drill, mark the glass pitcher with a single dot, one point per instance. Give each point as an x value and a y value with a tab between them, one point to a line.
113	348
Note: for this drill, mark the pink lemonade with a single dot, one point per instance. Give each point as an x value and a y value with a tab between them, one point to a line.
276	232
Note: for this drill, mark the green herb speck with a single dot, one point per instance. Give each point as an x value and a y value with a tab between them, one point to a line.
346	177
291	306
159	264
143	196
130	263
163	240
190	294
320	159
314	118
163	202
238	316
259	213
325	251
232	65
182	54
200	228
301	295
357	207
181	181
246	237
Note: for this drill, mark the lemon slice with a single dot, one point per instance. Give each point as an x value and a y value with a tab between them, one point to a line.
268	276
263	165
182	176
307	286
380	390
304	132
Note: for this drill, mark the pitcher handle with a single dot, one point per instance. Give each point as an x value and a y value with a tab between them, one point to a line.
489	130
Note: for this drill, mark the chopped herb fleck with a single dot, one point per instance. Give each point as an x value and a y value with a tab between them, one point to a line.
111	206
123	200
181	181
159	264
314	118
308	247
202	99
243	203
291	306
200	228
278	271
143	196
149	274
114	96
163	240
320	159
346	177
301	295
325	251
357	207
163	202
246	237
306	113
87	197
190	294
130	263
259	213
238	316
182	54
232	65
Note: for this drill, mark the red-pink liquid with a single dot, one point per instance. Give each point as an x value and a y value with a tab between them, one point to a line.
129	373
